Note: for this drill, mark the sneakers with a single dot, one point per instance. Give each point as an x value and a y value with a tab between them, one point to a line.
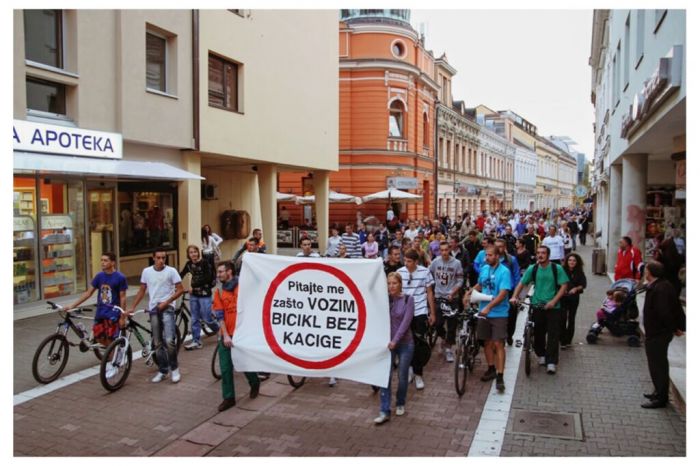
420	385
159	377
111	371
227	403
400	410
332	382
175	376
551	368
449	356
542	361
193	345
410	374
500	384
489	375
263	376
254	390
381	419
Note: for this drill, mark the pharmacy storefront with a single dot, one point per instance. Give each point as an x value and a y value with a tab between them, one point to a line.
78	193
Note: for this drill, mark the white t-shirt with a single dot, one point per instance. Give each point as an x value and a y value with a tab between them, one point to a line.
160	284
556	246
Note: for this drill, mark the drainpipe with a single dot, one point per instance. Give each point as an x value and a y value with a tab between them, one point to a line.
195	78
435	158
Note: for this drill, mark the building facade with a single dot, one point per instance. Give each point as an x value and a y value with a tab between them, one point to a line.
638	87
387	99
122	117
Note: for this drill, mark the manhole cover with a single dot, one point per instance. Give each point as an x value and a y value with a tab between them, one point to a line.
547	424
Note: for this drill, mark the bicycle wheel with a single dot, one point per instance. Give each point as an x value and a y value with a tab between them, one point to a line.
527	345
215	367
115	365
182	323
296	381
99	352
472	351
50	358
461	369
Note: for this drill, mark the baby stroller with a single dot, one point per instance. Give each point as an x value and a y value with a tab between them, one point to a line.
623	320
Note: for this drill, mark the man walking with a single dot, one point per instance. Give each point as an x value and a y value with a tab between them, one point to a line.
494	280
225	307
164	287
351	240
663	318
417	282
449	276
552	286
628	260
306	250
555	244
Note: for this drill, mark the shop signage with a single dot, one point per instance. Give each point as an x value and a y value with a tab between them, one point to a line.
23	223
465	189
65	140
665	79
401	182
55	222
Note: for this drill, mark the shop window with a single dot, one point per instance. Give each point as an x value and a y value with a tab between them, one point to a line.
396	119
43	37
24	251
62	242
223	83
147	218
46	96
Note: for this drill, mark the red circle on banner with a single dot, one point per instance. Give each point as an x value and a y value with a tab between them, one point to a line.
361	316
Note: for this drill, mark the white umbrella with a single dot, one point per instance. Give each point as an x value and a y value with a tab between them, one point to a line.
393	195
332	197
282	197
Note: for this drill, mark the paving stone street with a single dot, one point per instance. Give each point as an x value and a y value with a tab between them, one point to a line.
602	383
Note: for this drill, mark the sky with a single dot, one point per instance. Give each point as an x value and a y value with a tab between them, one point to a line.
533	62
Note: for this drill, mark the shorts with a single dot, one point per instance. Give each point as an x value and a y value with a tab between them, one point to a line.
492	329
105	328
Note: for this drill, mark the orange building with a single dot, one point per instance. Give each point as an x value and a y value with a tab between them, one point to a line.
387	117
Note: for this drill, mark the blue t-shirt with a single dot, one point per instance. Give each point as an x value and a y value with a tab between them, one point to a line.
108	286
479	261
492	281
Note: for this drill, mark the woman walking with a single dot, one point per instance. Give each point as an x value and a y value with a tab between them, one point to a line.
203	276
401	347
210	247
573	266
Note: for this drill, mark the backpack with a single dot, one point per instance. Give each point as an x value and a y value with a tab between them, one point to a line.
555	272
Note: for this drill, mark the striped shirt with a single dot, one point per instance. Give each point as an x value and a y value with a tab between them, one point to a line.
415	284
352	244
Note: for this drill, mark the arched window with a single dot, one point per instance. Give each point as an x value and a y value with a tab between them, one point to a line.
396	119
426	131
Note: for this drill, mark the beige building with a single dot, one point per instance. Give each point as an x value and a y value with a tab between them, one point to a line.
133	128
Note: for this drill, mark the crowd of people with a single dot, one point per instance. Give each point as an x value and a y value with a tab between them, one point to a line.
432	269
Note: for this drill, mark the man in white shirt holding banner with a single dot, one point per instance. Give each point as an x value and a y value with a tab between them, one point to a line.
313	318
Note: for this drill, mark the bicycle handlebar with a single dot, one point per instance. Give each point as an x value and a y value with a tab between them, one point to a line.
59	308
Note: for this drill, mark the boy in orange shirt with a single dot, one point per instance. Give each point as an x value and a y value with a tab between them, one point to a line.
225	308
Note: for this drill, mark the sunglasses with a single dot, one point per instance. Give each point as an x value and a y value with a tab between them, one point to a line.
410	277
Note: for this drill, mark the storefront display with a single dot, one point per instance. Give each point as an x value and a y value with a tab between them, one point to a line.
147	218
665	216
24	260
58	256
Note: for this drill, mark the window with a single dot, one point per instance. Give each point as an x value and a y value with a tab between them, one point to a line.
396	119
147	217
155	62
659	16
43	37
616	76
46	96
640	38
426	131
398	49
238	12
223	83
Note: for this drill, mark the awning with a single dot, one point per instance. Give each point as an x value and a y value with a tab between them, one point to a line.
43	163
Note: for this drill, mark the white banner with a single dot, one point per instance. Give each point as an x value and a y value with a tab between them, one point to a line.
313	317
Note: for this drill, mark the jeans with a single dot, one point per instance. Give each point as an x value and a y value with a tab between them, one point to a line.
200	307
226	365
405	354
547	326
164	338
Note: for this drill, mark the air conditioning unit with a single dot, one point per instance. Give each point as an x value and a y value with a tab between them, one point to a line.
209	192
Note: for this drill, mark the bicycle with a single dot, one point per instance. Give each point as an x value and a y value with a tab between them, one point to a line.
467	347
48	367
116	361
296	381
183	317
529	332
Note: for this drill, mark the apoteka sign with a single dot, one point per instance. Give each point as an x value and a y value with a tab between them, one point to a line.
313	317
313	306
65	140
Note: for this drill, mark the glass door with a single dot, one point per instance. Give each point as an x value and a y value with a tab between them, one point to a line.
24	253
101	224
